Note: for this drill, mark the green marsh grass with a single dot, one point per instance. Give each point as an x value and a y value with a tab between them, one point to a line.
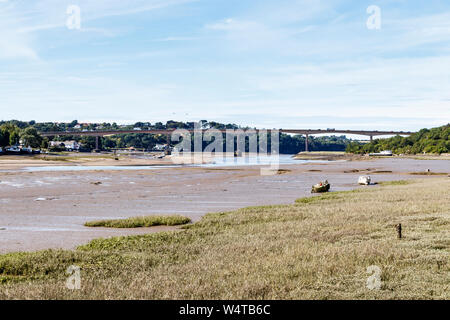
140	222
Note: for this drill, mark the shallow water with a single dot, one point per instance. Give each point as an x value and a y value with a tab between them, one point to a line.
217	162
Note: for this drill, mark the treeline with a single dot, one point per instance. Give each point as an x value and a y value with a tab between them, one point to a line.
294	144
288	144
435	140
11	134
24	131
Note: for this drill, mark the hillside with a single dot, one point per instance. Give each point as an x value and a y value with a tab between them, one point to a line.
11	132
435	140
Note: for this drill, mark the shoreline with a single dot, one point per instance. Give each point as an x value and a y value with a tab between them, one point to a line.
11	162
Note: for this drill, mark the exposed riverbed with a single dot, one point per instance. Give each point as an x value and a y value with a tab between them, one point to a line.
47	207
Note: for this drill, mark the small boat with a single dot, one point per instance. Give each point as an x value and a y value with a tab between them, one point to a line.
364	180
322	186
14	149
384	153
28	150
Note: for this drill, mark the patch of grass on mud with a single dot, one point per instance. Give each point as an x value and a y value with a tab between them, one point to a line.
395	183
140	222
429	173
326	196
313	249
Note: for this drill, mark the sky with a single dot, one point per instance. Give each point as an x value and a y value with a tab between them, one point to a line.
380	65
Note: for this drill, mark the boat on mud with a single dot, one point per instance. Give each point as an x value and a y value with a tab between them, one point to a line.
364	180
322	186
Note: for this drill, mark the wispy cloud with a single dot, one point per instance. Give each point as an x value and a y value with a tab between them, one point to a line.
265	63
19	20
168	39
50	14
12	44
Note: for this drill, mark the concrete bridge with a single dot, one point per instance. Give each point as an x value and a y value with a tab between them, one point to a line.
306	132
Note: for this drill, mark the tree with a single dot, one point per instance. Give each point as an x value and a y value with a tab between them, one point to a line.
30	137
4	138
426	140
10	134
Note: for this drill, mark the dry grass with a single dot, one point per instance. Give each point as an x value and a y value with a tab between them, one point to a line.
395	183
140	222
313	249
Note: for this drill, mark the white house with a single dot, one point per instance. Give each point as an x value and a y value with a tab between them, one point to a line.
68	145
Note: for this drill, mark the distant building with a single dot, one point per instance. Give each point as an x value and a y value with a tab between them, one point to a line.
68	145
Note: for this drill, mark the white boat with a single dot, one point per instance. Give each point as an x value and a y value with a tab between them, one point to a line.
385	153
13	149
364	180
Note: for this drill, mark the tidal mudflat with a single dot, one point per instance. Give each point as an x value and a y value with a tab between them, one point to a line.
48	209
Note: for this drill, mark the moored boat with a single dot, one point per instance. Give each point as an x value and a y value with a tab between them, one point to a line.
384	153
322	186
364	180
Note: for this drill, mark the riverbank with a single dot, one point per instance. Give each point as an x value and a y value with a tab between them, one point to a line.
333	156
156	159
329	156
315	249
78	159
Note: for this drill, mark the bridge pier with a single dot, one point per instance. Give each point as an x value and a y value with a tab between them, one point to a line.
97	143
307	143
371	138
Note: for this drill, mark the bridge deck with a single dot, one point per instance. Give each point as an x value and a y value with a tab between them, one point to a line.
170	131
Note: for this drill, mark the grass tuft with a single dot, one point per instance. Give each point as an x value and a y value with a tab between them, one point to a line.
395	183
429	173
327	196
140	222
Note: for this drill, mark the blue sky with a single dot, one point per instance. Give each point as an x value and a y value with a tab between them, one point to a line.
278	63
